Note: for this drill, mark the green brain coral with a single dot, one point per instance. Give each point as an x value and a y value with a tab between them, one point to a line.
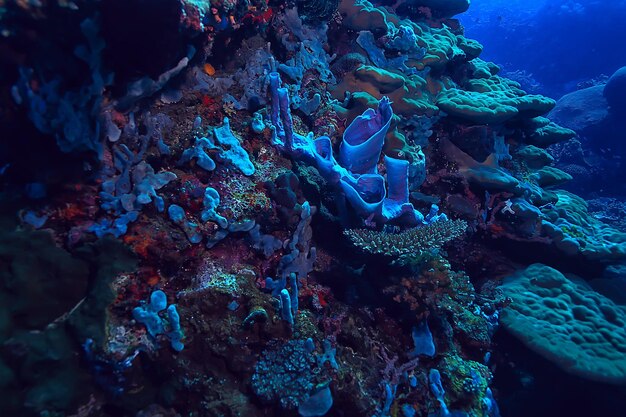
568	323
596	240
480	108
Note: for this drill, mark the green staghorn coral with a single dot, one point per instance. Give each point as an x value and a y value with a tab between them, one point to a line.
410	245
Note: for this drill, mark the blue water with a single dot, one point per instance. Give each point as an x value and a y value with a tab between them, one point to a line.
551	46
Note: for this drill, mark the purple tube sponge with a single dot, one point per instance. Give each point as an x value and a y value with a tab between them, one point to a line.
326	163
423	340
397	179
356	174
285	307
396	205
274	79
366	193
363	140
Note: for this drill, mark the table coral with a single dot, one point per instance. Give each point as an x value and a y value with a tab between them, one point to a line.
411	243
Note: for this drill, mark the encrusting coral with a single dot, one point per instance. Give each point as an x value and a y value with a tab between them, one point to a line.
567	322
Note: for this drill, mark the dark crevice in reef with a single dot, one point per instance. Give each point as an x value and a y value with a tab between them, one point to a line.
142	36
525	253
34	157
527	384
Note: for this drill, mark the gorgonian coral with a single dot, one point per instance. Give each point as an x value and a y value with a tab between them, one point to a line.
411	244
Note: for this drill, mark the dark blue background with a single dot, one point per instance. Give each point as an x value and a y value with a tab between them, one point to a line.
560	43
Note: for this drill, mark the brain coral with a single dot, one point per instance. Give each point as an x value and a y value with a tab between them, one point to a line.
492	100
567	322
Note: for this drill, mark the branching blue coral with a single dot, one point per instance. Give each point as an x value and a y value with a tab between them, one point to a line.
148	315
120	194
356	174
199	152
71	116
117	227
177	215
228	149
124	195
301	256
288	302
210	202
266	243
231	150
403	39
209	213
328	355
434	379
308	50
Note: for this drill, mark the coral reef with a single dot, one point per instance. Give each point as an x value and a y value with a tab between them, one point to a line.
272	210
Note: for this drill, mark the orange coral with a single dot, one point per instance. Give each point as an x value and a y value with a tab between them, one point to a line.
139	243
496	229
209	69
150	276
70	212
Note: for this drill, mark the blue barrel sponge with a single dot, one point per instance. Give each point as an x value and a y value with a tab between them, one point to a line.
363	140
366	193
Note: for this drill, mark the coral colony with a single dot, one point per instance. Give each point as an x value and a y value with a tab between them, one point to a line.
269	208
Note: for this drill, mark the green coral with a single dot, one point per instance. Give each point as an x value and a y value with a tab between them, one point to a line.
565	321
483	69
468	381
534	157
475	107
492	100
550	176
574	231
542	132
409	245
